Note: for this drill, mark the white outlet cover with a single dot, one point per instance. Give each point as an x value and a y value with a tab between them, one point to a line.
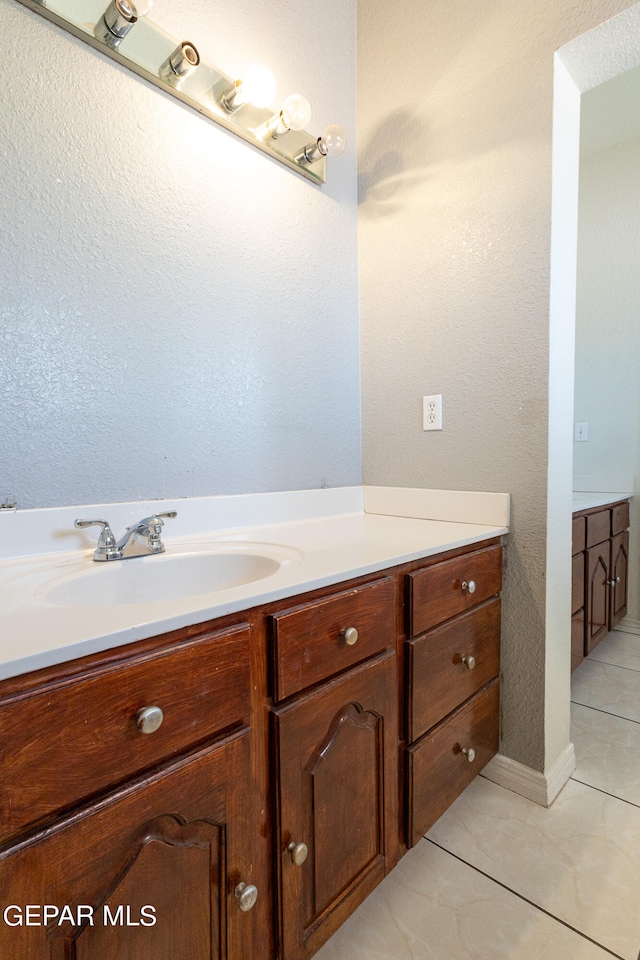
432	412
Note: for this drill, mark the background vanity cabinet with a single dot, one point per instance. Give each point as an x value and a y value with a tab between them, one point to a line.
336	759
103	808
578	540
605	555
452	681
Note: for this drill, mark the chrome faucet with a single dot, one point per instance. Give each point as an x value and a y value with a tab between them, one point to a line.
140	540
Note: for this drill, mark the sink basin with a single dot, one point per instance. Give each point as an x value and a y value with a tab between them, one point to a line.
165	577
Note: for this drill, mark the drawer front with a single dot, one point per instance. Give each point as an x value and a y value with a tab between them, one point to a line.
438	770
577	583
619	519
598	527
202	687
449	664
443	590
578	534
312	642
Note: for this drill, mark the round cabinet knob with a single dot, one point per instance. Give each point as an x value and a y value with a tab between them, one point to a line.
469	586
349	635
149	719
299	852
470	754
469	662
617	580
246	895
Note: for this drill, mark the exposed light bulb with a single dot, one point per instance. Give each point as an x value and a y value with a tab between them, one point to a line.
141	7
334	140
256	86
332	143
295	115
296	112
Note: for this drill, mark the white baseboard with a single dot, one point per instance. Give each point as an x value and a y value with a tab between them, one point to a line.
629	625
542	788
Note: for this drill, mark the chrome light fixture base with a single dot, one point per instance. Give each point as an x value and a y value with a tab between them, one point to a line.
143	47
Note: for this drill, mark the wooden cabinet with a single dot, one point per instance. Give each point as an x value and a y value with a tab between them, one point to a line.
297	747
578	579
452	687
150	871
600	570
124	802
337	776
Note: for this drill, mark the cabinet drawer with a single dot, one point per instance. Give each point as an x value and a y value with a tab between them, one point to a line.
310	642
439	678
598	527
577	583
438	771
578	534
619	519
442	590
90	725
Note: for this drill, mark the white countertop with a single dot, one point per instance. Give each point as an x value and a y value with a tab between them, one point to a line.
589	499
314	538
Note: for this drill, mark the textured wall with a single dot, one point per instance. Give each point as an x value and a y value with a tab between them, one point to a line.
607	386
179	313
455	122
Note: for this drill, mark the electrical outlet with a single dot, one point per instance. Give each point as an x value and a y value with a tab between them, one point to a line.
432	412
581	432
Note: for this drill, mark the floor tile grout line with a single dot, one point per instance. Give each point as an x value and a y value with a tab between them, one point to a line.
607	793
531	903
608	663
620	629
600	710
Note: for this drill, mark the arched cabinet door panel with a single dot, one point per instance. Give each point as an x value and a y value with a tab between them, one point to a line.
147	873
598	576
619	574
337	800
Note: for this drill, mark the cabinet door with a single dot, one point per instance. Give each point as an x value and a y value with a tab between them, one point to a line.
597	599
577	639
172	849
337	766
619	571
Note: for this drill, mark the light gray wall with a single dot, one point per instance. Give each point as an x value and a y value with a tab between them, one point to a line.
455	123
179	313
607	382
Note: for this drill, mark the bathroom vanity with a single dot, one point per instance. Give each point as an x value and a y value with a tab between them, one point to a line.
236	785
600	563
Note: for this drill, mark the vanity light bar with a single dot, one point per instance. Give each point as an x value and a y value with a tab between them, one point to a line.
121	29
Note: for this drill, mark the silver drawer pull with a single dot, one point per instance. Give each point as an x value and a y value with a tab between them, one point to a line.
470	586
299	852
149	719
246	895
469	662
349	635
470	754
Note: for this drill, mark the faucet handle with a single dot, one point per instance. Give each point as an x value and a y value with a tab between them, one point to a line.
107	547
155	522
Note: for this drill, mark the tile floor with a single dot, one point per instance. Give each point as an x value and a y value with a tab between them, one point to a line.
500	878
